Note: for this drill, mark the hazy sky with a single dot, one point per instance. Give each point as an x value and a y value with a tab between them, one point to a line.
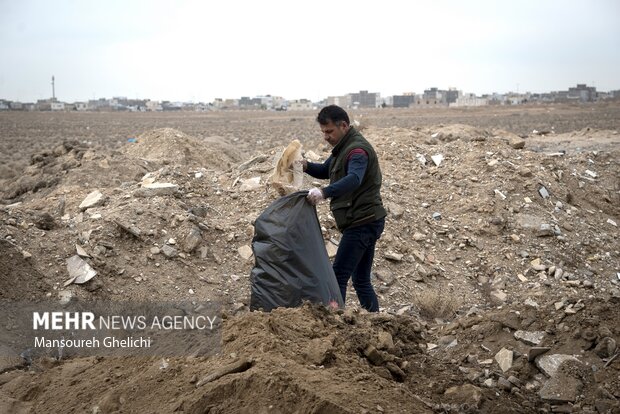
200	50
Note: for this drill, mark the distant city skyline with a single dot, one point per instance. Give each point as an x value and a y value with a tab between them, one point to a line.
198	51
327	98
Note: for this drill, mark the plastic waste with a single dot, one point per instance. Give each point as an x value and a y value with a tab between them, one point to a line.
291	262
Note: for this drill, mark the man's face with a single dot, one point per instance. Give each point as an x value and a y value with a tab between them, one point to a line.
333	133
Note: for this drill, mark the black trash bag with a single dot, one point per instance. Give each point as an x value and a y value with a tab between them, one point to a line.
291	263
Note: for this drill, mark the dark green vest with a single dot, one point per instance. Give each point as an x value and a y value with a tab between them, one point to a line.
363	205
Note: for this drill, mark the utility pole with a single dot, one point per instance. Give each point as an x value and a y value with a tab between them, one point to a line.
53	90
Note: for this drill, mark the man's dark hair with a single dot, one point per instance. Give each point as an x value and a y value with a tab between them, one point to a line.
332	113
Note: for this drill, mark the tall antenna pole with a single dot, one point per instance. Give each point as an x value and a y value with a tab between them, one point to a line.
53	90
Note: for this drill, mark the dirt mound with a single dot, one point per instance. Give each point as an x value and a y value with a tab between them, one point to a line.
297	360
19	279
171	146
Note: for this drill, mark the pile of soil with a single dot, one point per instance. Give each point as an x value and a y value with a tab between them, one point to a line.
171	146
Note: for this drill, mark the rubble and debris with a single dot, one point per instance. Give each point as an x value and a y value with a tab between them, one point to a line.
481	253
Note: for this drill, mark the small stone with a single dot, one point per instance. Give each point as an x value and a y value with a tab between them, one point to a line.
155	250
250	184
395	210
549	364
420	256
245	252
530	338
448	341
517	142
373	355
417	236
464	394
606	348
499	295
545	230
437	216
396	257
385	341
514	381
169	251
437	159
504	359
504	384
192	240
93	199
156	189
331	248
65	296
560	390
385	275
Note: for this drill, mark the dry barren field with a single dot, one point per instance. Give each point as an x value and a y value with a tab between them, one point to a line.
498	273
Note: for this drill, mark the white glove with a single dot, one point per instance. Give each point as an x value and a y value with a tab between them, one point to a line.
315	196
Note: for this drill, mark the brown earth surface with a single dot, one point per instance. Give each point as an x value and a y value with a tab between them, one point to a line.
495	234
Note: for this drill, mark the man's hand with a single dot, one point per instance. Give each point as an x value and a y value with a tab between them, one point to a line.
303	162
315	196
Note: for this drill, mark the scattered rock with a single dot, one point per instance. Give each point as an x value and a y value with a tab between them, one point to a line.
561	389
504	359
396	257
245	252
464	394
156	189
169	251
530	338
192	240
549	364
93	199
606	347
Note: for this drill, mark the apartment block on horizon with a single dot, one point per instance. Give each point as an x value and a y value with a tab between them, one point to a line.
300	105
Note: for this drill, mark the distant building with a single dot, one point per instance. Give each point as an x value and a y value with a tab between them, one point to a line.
16	106
432	97
153	106
403	101
300	105
249	103
469	99
80	106
363	99
452	94
342	101
58	106
4	105
583	93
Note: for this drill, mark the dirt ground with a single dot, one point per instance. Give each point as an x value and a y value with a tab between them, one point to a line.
501	244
